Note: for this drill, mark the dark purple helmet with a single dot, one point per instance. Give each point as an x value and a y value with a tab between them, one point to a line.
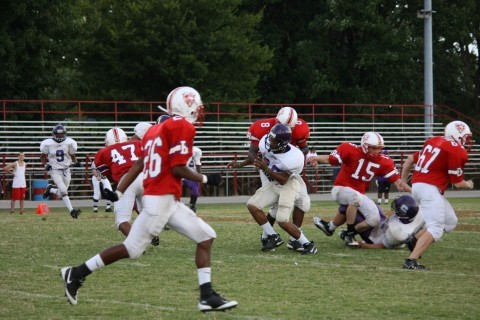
163	118
405	207
59	133
278	138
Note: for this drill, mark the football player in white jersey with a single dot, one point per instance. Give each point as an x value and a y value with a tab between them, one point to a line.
391	233
195	164
281	165
97	179
58	155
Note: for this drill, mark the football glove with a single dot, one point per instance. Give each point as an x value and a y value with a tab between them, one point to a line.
214	179
76	165
48	167
110	195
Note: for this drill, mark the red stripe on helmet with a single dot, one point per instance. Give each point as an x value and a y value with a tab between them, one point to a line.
116	135
290	117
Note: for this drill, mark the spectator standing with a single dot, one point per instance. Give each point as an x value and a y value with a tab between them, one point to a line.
19	184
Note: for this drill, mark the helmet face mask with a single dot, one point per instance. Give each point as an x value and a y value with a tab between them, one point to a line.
186	102
278	138
459	132
114	136
287	116
59	133
372	145
405	208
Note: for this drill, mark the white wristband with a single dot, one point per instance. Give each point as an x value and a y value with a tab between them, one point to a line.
205	179
119	194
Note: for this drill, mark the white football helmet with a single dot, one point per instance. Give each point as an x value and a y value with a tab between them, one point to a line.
185	102
115	135
287	116
372	139
141	128
460	133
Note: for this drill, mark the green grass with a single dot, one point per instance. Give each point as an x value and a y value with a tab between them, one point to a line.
336	283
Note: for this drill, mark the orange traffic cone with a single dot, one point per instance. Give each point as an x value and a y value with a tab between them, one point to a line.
42	208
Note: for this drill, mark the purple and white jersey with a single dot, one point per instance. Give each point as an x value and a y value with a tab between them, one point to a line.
291	161
393	232
194	160
59	152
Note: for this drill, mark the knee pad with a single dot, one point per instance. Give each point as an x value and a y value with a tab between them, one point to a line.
133	252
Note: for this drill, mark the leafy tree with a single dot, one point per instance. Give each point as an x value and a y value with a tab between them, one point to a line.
140	50
31	37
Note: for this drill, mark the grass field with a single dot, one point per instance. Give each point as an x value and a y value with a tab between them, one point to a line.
336	283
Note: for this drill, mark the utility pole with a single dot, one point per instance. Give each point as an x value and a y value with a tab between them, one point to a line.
426	14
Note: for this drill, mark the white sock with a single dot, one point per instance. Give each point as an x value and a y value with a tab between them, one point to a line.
95	263
204	275
331	226
67	202
267	230
303	239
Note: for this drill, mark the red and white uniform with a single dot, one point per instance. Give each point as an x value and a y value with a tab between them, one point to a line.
300	133
356	171
439	163
117	159
165	146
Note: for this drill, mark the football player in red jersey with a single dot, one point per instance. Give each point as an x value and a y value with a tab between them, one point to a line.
162	164
300	135
118	156
440	162
359	165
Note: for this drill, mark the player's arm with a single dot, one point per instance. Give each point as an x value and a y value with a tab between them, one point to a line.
315	160
130	176
407	167
97	174
402	186
10	167
184	172
464	184
44	158
252	154
280	177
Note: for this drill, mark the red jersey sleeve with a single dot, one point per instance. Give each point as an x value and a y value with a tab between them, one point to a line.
300	134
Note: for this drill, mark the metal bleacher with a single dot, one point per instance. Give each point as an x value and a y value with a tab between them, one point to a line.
221	142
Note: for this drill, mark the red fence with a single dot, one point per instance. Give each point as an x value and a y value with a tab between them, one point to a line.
44	110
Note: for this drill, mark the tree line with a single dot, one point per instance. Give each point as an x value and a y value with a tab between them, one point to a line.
266	51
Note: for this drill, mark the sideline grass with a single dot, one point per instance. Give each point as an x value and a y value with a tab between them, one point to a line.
337	283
